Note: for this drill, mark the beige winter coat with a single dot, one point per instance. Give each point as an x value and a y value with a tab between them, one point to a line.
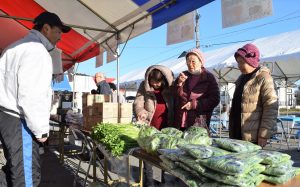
259	108
145	98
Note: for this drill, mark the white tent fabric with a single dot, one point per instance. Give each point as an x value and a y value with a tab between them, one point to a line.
83	84
281	53
285	67
132	79
127	18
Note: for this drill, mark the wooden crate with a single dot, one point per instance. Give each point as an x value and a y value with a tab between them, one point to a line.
125	120
125	110
91	99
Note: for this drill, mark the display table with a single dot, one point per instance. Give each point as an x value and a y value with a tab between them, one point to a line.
155	160
109	160
295	182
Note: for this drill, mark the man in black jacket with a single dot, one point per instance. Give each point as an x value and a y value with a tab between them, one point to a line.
102	86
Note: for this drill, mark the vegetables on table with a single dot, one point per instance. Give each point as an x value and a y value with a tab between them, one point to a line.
117	138
234	145
232	164
273	157
171	131
203	151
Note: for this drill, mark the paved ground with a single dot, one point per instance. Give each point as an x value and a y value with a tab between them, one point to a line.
58	175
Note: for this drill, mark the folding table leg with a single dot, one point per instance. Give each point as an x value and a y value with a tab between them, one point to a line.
76	174
88	171
128	171
141	170
61	143
105	171
94	163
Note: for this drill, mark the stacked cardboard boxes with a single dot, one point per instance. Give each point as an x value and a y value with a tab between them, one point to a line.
97	108
125	112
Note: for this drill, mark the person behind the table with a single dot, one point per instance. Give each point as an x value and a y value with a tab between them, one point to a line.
197	93
153	104
254	106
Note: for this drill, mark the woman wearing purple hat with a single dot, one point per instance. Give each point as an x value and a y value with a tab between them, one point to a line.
254	105
197	93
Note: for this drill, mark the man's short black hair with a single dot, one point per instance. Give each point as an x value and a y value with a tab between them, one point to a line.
112	86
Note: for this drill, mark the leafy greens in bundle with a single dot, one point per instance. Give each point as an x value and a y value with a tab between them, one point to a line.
117	138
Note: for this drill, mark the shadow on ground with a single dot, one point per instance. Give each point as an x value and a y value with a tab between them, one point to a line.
54	173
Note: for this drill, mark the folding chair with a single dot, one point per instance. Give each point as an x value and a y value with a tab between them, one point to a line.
280	134
295	132
87	149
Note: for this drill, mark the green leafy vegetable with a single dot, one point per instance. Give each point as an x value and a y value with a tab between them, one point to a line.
117	138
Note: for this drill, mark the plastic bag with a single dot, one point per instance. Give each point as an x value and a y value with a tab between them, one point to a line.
273	157
233	145
202	151
232	164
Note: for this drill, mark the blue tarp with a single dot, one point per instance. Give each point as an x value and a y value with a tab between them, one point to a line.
174	11
62	86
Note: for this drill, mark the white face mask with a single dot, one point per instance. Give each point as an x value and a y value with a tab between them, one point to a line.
196	72
56	60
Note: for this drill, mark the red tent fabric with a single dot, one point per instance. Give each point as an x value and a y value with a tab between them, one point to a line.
16	29
94	22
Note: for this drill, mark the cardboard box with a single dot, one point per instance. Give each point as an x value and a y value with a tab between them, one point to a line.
99	98
109	120
87	111
125	120
105	110
91	99
125	110
88	123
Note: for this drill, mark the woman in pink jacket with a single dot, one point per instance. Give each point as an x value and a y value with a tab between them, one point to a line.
197	92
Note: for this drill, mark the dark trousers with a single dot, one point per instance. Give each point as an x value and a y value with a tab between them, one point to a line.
21	151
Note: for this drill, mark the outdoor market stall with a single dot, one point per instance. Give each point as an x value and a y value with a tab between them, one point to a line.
98	26
92	29
196	164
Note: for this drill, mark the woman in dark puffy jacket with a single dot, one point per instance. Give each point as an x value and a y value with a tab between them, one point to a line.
197	92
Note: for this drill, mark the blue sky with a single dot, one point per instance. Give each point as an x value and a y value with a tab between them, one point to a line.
150	48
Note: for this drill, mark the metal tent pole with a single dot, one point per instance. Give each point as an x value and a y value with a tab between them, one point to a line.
118	67
197	18
74	85
220	106
286	98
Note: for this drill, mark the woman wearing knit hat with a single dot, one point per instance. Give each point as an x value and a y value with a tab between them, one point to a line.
254	104
197	93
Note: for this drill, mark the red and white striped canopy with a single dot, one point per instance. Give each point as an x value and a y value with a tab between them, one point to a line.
94	23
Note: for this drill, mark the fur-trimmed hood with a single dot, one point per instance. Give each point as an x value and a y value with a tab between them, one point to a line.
164	70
